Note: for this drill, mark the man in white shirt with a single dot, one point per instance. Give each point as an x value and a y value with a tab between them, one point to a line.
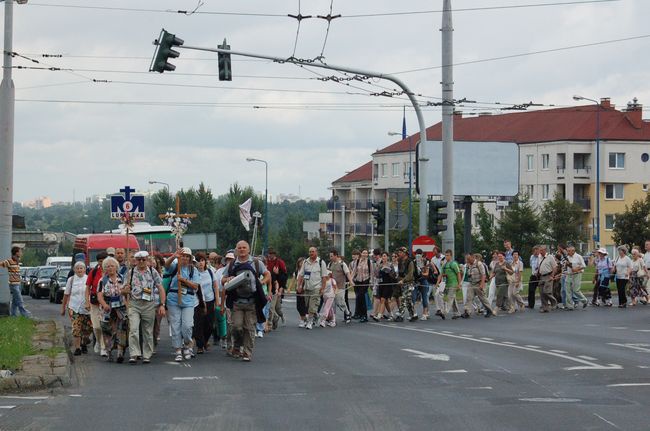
575	266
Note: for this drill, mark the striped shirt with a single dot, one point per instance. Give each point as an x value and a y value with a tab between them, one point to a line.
13	267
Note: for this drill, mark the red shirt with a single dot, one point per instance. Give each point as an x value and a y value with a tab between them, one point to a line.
94	277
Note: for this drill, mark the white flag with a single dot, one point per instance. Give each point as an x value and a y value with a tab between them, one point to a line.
245	213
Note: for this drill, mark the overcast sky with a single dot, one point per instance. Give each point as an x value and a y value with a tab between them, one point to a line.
96	148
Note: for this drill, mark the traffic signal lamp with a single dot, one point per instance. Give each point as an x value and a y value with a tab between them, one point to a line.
379	214
225	66
164	52
436	216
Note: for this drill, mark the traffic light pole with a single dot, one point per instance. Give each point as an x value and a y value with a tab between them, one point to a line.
423	162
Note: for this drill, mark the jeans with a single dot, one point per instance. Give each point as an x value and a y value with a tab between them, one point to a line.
181	322
265	310
17	305
573	285
422	290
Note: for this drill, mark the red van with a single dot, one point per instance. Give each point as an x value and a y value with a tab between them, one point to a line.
91	244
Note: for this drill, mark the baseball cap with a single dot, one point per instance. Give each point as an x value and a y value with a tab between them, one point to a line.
186	250
141	253
110	251
602	251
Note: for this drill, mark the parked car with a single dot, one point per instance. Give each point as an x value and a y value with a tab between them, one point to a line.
26	279
57	284
40	281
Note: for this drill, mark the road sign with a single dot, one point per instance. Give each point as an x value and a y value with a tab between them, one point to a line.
424	243
127	202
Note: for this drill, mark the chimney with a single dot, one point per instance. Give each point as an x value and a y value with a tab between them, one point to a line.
634	113
606	103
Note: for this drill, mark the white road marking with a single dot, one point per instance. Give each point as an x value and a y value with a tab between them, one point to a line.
446	332
637	347
453	371
627	385
606	421
509	342
619	327
642	330
592	324
550	400
487	339
197	378
586	365
7	407
23	398
329	373
186	365
466	335
532	347
487	388
589	358
562	351
171	363
424	355
644	367
75	395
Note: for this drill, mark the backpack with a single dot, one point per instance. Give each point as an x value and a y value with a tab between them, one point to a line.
169	275
241	291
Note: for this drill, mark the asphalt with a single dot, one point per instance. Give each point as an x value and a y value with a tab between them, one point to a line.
586	370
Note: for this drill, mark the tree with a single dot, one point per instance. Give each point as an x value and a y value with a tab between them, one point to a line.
486	240
563	222
521	225
160	203
227	224
632	227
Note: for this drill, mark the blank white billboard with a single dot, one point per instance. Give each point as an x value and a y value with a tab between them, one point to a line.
480	168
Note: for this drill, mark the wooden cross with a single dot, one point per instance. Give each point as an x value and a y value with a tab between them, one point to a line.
178	240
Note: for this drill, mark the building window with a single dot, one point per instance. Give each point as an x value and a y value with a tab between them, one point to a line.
609	221
611	250
384	168
375	171
545	191
614	191
545	161
530	162
395	169
617	160
528	190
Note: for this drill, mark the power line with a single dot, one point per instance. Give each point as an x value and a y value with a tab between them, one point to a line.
131	57
526	54
275	15
329	17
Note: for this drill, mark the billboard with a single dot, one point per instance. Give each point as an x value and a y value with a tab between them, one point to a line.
127	202
480	168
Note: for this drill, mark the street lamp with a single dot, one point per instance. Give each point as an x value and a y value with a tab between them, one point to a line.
7	105
266	202
161	183
598	107
410	226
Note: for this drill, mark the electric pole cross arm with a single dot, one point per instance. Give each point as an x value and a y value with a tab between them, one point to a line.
423	139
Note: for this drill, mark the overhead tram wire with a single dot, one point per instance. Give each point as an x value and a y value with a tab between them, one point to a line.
329	17
276	15
527	54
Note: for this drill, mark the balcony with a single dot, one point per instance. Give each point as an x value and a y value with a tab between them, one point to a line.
584	202
363	205
583	172
352	228
561	171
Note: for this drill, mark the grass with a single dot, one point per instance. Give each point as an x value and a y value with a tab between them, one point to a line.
15	341
52	352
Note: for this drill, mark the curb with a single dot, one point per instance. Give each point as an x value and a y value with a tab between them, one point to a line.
42	371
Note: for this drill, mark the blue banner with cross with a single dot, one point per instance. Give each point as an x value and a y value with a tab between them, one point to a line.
127	202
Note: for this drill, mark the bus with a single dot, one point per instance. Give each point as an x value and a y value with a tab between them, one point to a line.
91	244
154	239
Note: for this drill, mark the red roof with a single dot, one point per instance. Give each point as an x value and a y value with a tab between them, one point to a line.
362	173
563	124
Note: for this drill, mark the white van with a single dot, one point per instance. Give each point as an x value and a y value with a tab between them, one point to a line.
58	261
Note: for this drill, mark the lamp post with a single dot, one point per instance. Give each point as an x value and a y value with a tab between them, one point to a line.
266	202
7	105
596	236
161	183
410	225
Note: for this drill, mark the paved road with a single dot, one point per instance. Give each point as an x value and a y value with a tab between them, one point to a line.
587	370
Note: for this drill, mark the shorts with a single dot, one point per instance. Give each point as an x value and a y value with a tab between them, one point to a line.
385	291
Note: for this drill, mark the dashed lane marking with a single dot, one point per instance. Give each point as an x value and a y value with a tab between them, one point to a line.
642	330
466	335
627	385
196	378
563	352
619	327
7	407
487	339
486	388
530	346
424	355
584	364
453	371
509	342
550	400
642	348
11	397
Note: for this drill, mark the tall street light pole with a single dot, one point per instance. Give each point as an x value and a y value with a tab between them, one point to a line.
7	105
161	183
596	236
266	202
447	123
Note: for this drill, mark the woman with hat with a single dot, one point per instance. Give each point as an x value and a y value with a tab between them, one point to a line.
604	269
181	300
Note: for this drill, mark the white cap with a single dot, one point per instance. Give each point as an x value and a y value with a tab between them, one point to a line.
141	253
230	255
186	250
602	251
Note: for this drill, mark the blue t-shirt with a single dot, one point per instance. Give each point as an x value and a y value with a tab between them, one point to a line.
206	285
188	299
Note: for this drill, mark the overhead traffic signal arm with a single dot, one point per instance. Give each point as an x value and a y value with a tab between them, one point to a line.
225	65
164	44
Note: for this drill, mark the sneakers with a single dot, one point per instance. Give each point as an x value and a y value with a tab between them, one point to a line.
179	356
245	357
465	315
133	361
375	318
363	319
120	359
302	324
322	323
424	317
413	318
146	361
259	334
104	353
77	352
399	319
440	314
187	354
309	325
347	318
97	348
331	324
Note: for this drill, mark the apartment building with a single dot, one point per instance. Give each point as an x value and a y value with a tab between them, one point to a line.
557	154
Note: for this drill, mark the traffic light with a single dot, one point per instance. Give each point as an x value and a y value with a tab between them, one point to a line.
435	216
225	68
164	52
379	214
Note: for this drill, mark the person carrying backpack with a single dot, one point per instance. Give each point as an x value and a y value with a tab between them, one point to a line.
185	279
246	300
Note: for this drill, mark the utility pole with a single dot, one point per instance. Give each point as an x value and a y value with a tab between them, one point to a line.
447	123
387	221
342	230
7	103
